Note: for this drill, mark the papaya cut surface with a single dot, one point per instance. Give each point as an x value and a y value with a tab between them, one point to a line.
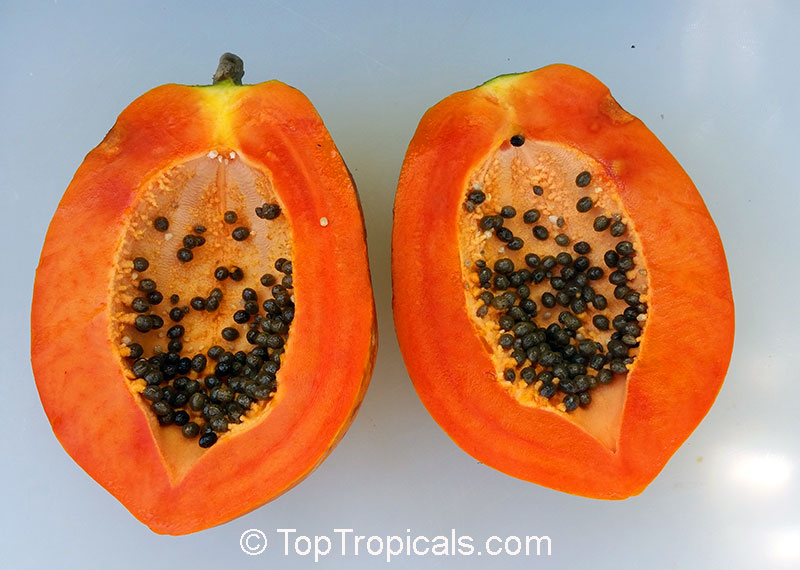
561	294
203	327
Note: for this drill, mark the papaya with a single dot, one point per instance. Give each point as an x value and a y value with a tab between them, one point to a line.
203	325
561	293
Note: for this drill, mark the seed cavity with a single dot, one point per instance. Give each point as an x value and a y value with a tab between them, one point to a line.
563	316
209	359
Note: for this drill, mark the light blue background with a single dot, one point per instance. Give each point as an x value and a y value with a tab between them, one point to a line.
712	79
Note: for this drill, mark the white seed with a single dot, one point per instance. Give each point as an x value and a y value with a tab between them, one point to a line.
213	154
323	221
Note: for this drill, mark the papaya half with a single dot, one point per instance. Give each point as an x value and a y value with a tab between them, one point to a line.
561	294
203	326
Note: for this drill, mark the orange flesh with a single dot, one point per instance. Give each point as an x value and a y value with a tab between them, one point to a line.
507	177
194	193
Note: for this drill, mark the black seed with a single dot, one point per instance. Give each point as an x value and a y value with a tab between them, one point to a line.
617	366
605	376
601	322
509	375
597	361
504	234
626	263
161	408
617	229
569	320
578	306
585	398
181	418
563	258
176	331
215	352
240	234
581	264
484	275
508	211
158	322
517	140
199	229
476	197
571	402
152	393
198	303
568	273
584	204
506	340
207	439
531	216
563	298
528	374
143	323
221	273
538	190
236	273
161	224
147	285
140	264
617	349
582	247
269	211
155	297
632	299
140	305
523	291
532	260
595	273
184	255
268	280
562	240
620	291
230	217
135	350
230	333
286	267
199	362
547	390
176	314
601	223
583	179
540	233
184	365
241	316
190	241
504	266
491	222
611	258
538	276
548	300
548	262
624	248
515	244
617	278
629	340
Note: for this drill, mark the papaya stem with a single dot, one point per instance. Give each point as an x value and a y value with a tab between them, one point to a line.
230	67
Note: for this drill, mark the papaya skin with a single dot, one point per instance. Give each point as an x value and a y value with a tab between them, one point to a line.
690	312
79	371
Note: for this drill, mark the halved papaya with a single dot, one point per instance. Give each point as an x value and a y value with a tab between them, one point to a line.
561	294
203	326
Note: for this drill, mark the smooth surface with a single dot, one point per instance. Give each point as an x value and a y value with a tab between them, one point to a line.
713	81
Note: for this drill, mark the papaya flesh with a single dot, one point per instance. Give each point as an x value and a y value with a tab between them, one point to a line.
561	293
203	327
